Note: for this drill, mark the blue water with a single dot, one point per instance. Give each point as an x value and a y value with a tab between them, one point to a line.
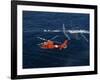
77	53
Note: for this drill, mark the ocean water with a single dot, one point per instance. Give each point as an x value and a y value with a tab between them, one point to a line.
77	53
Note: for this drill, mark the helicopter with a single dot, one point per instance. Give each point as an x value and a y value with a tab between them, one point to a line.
51	44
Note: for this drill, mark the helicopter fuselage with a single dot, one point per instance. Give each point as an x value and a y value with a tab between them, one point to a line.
52	45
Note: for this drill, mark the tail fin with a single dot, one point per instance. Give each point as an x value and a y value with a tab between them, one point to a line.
65	42
64	45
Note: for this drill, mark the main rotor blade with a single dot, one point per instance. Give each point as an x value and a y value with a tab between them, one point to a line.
54	37
84	37
41	38
64	31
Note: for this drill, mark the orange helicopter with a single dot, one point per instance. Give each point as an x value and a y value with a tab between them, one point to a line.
49	44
